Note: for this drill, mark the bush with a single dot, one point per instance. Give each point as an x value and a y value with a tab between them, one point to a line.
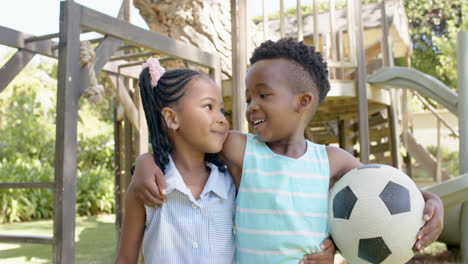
27	148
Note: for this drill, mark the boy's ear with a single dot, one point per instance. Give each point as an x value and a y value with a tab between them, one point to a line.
305	100
171	118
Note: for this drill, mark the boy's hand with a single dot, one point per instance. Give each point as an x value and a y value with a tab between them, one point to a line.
324	257
434	217
148	181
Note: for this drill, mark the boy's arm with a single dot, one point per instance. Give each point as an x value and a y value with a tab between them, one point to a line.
132	230
233	154
341	162
148	182
434	217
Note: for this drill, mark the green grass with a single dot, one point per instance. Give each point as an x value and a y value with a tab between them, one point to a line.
94	236
96	243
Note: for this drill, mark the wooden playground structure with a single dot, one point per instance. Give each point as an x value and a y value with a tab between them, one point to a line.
361	113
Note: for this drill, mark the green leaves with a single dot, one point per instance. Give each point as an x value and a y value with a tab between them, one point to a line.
433	26
27	147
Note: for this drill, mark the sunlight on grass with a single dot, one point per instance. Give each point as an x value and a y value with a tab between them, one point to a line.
94	236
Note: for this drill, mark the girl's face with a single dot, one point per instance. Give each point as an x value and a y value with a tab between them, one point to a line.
202	124
271	103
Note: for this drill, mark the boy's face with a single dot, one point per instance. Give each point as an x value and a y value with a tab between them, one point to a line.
271	103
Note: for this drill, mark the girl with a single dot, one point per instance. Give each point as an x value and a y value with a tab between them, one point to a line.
184	113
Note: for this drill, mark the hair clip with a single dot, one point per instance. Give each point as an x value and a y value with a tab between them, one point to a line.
155	70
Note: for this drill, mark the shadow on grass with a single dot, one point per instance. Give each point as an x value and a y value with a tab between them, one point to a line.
95	243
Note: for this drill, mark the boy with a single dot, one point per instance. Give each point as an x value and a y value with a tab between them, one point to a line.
282	178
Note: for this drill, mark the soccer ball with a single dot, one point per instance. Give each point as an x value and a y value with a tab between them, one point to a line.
375	213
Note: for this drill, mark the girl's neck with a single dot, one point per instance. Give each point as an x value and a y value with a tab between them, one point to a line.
191	167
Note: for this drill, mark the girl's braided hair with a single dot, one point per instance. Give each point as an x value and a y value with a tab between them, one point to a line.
169	89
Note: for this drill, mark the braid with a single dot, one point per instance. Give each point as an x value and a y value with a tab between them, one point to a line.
154	99
216	160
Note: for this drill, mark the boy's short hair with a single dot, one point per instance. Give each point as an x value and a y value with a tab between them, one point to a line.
311	61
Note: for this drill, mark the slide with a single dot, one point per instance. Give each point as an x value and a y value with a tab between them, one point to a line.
426	85
453	192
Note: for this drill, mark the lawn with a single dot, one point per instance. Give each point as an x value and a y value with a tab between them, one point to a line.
96	243
94	236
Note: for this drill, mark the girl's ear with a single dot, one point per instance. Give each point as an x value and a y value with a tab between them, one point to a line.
304	101
171	118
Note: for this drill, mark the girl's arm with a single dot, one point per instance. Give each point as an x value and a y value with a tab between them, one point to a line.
132	229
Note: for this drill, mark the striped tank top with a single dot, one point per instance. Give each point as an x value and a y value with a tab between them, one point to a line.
282	204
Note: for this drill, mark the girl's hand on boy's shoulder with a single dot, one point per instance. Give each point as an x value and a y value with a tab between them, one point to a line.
326	256
434	217
148	181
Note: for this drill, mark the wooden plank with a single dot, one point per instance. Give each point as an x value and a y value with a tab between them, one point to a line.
135	35
26	185
361	86
104	52
26	239
423	157
68	81
13	67
16	39
373	50
43	37
124	98
382	147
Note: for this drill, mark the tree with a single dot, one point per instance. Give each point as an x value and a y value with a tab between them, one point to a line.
434	25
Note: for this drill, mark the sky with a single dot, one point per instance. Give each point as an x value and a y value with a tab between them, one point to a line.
41	17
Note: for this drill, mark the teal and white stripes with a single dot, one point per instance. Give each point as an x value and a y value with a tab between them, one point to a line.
282	204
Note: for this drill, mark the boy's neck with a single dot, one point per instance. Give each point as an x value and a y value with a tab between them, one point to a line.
293	147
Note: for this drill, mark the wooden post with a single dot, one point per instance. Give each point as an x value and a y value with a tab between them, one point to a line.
438	172
118	158
406	109
282	18
300	33
141	135
361	86
388	62
316	34
68	94
462	70
239	65
265	21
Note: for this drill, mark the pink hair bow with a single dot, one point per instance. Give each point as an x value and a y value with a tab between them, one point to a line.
155	70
